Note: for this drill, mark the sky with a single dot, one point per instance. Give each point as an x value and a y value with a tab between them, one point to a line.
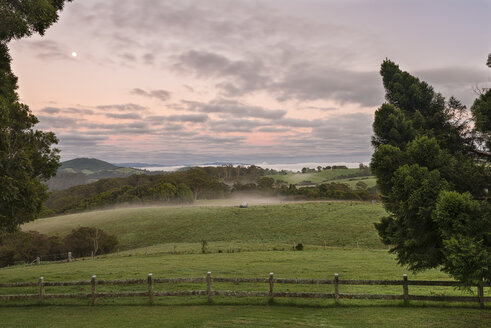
241	81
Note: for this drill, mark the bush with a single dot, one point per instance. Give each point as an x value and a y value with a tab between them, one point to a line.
85	240
26	246
299	247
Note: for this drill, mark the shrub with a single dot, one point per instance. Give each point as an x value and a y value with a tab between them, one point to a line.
85	240
26	246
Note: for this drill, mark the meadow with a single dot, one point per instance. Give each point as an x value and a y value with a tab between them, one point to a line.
336	223
251	242
321	176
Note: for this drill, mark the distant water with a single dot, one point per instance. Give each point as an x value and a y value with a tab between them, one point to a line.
289	167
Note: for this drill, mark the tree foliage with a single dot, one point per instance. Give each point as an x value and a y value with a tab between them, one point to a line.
434	178
24	247
86	241
26	156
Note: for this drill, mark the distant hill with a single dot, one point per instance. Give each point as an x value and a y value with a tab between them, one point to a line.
87	170
85	165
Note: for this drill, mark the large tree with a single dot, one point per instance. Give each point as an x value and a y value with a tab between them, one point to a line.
432	164
26	154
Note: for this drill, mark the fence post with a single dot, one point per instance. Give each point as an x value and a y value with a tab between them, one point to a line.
336	288
92	255
405	289
480	295
69	256
41	289
38	260
150	288
271	285
93	283
208	285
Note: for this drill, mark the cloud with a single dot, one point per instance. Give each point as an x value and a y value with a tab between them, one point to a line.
50	110
63	122
149	58
136	127
194	118
128	57
200	118
455	81
173	127
312	82
126	116
303	81
66	110
162	95
74	110
234	125
234	109
123	107
324	109
349	133
245	74
299	123
80	140
272	130
49	49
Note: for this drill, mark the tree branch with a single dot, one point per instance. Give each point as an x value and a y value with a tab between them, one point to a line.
482	153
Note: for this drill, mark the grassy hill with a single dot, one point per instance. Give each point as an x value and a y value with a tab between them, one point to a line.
336	223
86	170
85	165
260	237
337	175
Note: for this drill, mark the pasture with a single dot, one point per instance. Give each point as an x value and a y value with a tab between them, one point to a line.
317	177
251	242
336	223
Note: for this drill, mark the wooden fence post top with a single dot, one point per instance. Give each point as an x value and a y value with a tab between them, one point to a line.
271	274
94	276
41	278
404	276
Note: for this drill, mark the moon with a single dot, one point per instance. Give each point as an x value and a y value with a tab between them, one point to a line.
74	54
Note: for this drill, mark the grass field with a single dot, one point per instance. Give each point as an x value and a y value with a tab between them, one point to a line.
231	312
370	181
242	243
315	177
336	223
240	316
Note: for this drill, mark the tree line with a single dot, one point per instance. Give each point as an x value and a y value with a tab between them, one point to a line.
24	247
186	186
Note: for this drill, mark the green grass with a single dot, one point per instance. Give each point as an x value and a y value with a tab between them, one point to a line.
314	264
242	243
317	177
87	172
370	181
129	170
240	316
336	223
233	312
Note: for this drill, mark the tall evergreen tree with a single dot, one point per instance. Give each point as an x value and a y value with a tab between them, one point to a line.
26	154
434	175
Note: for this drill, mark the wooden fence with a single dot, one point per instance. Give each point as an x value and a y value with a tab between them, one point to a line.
271	293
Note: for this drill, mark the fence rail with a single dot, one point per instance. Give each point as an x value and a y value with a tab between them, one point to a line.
271	294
